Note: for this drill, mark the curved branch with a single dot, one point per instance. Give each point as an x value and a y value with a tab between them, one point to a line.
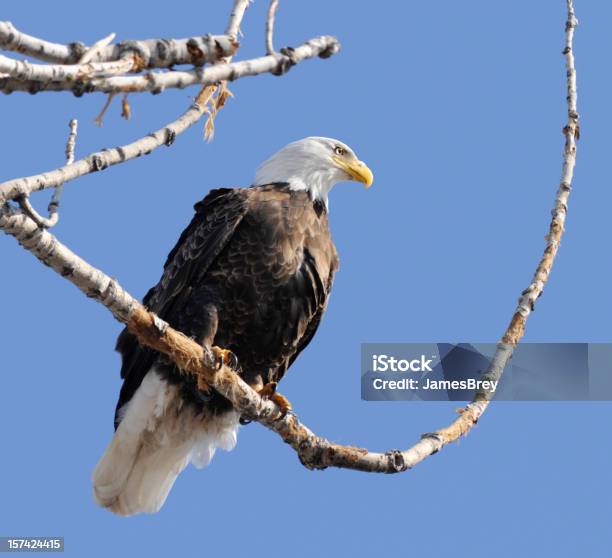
53	208
314	452
528	298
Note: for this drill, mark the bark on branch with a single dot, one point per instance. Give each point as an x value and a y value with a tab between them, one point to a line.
101	160
69	78
152	53
313	451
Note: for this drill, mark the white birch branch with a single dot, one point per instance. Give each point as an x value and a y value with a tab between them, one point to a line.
154	53
157	82
313	451
235	19
14	40
26	71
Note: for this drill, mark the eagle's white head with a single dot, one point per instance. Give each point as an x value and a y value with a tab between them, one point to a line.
314	164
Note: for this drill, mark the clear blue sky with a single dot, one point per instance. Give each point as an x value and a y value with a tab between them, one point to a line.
458	108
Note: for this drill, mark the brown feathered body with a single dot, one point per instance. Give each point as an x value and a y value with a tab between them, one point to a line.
251	273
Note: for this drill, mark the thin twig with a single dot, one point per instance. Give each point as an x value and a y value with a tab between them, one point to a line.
27	207
71	143
97	48
99	120
55	200
270	26
53	208
101	160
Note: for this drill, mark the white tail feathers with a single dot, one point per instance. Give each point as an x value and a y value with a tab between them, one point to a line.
156	439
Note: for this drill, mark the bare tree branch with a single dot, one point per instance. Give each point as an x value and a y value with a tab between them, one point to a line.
153	53
313	451
270	26
26	71
528	298
108	157
156	82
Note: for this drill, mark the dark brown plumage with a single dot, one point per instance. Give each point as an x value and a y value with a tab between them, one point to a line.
251	273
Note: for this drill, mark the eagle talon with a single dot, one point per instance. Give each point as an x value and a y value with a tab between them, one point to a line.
233	362
269	392
226	357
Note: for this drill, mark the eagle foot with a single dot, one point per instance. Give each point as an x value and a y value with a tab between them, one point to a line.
269	392
215	358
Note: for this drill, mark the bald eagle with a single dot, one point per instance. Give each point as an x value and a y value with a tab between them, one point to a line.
252	274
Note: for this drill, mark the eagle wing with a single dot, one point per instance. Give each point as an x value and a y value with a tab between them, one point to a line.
313	324
217	217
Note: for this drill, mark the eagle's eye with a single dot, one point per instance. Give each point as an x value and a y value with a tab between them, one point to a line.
339	150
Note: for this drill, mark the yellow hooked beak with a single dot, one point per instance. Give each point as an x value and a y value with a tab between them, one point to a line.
356	169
